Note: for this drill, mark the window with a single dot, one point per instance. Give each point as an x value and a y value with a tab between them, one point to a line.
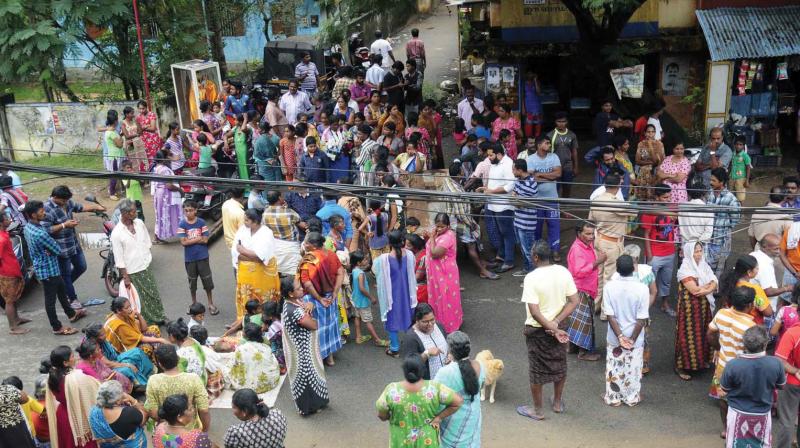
283	18
231	18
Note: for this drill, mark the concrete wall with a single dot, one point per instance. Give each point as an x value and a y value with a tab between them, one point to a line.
677	14
39	129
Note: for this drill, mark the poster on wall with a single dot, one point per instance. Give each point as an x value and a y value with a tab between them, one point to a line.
628	81
504	80
674	76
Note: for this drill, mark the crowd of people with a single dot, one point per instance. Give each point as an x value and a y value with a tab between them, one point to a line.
310	266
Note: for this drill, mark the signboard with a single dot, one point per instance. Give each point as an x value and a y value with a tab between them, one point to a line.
628	81
551	21
502	79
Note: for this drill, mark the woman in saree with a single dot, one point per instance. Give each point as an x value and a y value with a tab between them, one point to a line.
321	274
126	329
69	397
242	135
133	363
336	243
649	155
696	286
254	365
91	365
301	347
148	124
193	359
393	115
411	161
166	199
357	216
133	145
397	289
444	288
253	253
115	407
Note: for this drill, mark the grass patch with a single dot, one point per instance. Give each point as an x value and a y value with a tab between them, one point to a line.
86	91
38	185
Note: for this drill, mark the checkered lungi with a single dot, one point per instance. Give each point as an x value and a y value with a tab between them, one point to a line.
580	324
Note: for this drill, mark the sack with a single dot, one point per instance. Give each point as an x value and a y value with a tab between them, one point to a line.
132	295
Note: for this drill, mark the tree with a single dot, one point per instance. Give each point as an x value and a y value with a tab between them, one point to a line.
213	11
600	23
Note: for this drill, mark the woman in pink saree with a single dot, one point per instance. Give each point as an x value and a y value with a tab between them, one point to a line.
444	286
91	364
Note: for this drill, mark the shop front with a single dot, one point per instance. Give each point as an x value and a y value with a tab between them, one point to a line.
753	77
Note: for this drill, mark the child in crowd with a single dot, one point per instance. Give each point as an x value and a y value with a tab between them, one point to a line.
504	138
205	166
412	227
256	198
416	244
287	154
740	168
362	298
133	189
30	408
460	131
41	428
271	318
788	316
197	315
378	222
214	362
216	107
193	233
253	315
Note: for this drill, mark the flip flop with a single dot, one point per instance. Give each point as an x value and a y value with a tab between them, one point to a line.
19	331
491	276
669	312
93	302
78	316
523	411
65	331
213	310
363	339
381	343
392	354
683	376
553	405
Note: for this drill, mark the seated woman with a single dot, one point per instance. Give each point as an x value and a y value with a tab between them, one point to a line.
118	419
91	365
172	432
127	329
133	363
217	364
193	359
254	365
259	423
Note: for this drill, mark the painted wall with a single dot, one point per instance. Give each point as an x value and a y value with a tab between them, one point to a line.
551	21
677	14
249	47
708	4
51	128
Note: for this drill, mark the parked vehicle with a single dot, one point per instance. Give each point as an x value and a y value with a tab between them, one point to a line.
208	197
110	274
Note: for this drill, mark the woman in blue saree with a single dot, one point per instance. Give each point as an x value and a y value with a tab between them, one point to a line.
118	419
133	363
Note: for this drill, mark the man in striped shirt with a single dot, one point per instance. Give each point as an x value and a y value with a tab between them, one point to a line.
525	216
306	72
725	332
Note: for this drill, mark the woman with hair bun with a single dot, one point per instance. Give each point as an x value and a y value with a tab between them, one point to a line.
70	396
396	283
261	426
465	377
413	406
172	432
193	359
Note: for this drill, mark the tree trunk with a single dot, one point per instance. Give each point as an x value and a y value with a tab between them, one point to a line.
215	28
60	80
48	92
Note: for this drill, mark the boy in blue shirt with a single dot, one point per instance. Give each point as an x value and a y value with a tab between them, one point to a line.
362	299
193	232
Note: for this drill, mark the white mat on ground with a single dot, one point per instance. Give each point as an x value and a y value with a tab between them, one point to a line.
269	398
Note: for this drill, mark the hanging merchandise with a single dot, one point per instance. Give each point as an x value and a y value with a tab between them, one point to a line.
783	71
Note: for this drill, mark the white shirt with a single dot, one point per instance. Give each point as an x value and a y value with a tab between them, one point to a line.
465	111
696	225
602	189
500	175
375	75
131	251
382	47
292	105
657	124
766	274
627	300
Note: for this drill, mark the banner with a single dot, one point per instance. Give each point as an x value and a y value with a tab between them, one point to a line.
628	81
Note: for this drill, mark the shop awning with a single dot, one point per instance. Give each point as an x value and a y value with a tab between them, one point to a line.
736	33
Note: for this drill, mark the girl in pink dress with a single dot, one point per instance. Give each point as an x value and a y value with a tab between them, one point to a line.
444	287
673	171
507	121
91	364
148	123
787	317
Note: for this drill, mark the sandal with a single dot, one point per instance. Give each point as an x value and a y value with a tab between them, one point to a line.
19	331
80	314
213	310
669	312
490	276
363	339
381	343
523	411
391	353
65	331
682	375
